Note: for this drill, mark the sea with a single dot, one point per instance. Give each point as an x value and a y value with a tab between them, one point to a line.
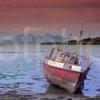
21	70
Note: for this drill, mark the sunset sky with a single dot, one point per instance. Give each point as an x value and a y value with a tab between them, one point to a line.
49	16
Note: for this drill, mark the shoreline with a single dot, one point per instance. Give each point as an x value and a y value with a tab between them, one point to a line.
11	95
51	43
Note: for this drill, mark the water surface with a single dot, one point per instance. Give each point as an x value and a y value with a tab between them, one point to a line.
22	70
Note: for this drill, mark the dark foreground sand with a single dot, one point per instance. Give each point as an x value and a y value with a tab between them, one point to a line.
17	96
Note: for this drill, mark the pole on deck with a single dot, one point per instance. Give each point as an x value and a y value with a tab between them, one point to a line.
78	44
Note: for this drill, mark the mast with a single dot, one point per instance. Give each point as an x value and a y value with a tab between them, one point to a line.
88	52
78	44
67	42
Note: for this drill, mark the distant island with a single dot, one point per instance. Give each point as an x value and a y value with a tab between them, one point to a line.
94	41
46	39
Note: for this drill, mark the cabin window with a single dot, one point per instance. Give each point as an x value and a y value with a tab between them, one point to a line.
66	58
60	56
74	60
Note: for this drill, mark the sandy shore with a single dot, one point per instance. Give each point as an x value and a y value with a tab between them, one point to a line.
22	96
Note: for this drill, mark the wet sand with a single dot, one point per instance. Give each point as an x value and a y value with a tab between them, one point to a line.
23	96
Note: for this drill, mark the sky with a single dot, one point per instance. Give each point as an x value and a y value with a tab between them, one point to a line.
49	16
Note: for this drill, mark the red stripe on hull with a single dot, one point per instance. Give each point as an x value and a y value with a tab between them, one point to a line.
69	75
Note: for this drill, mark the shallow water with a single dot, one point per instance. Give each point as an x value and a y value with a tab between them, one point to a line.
22	70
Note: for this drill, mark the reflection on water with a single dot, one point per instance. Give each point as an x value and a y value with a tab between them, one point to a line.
25	73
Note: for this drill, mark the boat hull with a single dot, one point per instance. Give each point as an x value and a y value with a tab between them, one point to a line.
66	79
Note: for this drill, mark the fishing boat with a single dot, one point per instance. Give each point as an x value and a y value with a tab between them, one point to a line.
66	69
